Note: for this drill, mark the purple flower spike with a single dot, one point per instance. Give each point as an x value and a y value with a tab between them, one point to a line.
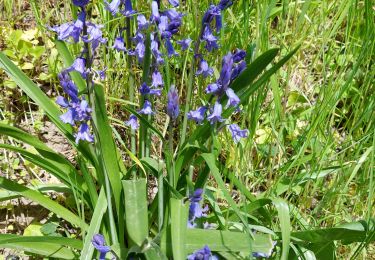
172	106
99	243
185	43
237	70
80	3
237	133
170	49
212	88
216	114
113	7
204	69
140	50
202	254
239	55
128	9
195	210
146	90
197	195
210	39
197	115
84	135
224	4
157	79
132	122
146	110
175	3
233	99
119	44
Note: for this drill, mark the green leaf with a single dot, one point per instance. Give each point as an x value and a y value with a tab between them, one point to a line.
96	221
349	232
284	218
106	145
225	241
179	219
54	247
43	201
65	172
136	212
210	160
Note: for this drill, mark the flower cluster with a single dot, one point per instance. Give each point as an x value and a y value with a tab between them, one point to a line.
233	64
161	27
78	111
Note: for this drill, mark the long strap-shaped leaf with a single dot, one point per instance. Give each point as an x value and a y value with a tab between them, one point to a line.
37	95
54	247
43	201
64	172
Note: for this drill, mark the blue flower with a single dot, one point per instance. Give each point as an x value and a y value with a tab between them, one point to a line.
157	79
132	122
81	3
204	69
212	88
202	254
195	209
68	86
226	71
99	243
146	90
113	7
170	50
224	4
147	109
128	9
68	117
237	133
172	105
173	15
155	15
175	3
210	39
63	102
239	55
78	65
237	70
233	99
95	35
197	115
84	134
73	30
216	114
140	50
119	44
185	43
142	22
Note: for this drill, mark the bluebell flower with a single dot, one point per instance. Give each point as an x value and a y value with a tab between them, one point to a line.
102	73
237	70
203	254
80	3
142	22
237	133
99	243
119	44
239	55
155	15
95	35
197	115
185	43
215	116
196	196
68	86
233	99
204	69
155	51
61	101
78	65
173	15
84	134
210	39
132	122
146	90
212	88
157	79
170	50
147	109
128	9
195	209
138	37
68	117
140	50
73	30
172	103
82	110
212	12
175	3
113	7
